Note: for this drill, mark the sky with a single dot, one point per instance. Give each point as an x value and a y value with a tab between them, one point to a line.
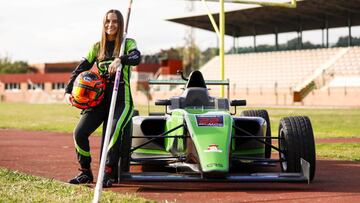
38	31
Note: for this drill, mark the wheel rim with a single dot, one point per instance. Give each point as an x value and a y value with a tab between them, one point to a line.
283	149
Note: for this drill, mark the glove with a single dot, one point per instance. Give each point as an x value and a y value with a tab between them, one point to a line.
67	98
113	66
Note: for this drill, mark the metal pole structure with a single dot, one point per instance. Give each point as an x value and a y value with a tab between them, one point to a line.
300	36
234	45
276	39
221	31
291	4
323	38
327	32
254	41
99	182
221	41
349	29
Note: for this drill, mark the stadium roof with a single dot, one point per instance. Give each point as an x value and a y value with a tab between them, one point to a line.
309	15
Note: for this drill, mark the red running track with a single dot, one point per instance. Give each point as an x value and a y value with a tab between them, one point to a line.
52	155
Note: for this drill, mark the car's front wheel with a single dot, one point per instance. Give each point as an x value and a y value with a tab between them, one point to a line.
296	141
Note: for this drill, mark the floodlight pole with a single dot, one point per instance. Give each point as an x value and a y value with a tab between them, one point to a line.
222	44
99	182
221	30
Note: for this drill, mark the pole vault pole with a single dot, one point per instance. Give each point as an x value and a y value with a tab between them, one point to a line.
99	182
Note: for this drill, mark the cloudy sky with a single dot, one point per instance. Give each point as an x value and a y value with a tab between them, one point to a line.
63	30
57	30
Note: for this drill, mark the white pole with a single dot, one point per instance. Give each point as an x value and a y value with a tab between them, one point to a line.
99	182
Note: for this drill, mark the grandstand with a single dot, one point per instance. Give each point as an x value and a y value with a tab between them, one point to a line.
347	68
283	69
316	77
277	76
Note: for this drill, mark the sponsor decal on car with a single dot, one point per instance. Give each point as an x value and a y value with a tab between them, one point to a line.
214	165
213	148
213	120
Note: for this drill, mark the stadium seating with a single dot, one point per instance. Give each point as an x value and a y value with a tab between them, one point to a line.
348	65
324	77
283	69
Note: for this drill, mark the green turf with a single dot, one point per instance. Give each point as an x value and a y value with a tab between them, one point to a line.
19	187
339	151
327	123
43	117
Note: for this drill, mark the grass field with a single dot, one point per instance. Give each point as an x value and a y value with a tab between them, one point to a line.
339	151
19	187
327	123
38	117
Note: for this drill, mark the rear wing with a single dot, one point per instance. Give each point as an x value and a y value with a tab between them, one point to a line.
183	82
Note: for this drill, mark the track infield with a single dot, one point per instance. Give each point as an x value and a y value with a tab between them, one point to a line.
52	155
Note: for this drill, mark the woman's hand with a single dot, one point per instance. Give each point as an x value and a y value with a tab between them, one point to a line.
68	98
113	66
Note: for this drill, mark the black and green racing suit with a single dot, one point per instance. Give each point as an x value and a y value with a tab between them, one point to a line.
92	118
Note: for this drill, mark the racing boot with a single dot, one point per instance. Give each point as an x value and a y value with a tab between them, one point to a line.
108	177
85	176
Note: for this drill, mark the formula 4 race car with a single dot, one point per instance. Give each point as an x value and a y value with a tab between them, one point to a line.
199	139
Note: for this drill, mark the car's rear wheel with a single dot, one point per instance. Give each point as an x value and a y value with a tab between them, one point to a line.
296	141
263	114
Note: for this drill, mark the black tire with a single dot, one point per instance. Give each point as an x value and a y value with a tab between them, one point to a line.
296	140
124	160
263	114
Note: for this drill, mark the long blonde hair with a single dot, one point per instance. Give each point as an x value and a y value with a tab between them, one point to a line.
118	39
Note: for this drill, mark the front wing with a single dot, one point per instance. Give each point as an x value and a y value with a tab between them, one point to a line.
303	176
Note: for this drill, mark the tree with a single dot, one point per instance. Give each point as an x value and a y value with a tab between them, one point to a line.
9	66
293	44
343	41
208	54
172	53
191	58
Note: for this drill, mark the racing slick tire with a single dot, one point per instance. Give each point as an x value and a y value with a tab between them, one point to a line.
296	141
263	114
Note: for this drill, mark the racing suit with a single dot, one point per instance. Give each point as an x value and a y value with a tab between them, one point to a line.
92	118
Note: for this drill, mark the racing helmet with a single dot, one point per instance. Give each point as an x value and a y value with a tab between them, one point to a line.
88	90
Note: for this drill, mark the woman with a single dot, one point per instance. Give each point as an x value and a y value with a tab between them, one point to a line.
105	54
